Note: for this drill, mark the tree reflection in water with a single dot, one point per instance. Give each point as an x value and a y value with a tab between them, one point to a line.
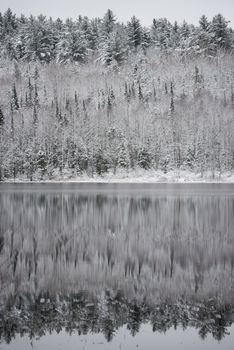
155	250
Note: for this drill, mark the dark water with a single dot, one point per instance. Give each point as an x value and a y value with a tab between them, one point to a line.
116	266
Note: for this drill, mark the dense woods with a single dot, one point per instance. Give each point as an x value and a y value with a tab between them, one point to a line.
92	96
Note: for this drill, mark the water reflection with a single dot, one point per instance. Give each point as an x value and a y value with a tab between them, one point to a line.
78	313
156	247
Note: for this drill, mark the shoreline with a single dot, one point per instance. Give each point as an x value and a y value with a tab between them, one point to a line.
132	177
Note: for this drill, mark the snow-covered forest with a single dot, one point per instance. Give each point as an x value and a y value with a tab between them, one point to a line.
96	95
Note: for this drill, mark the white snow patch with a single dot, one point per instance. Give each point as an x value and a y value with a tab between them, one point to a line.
135	176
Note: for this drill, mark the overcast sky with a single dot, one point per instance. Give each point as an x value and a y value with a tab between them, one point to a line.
145	10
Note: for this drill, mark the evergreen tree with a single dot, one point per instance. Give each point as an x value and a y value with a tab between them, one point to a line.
146	40
185	30
221	34
9	23
134	31
203	36
161	32
40	37
94	36
101	163
108	23
123	156
113	49
175	35
90	33
204	23
72	47
41	162
144	158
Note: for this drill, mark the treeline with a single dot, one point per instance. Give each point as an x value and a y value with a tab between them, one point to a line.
106	39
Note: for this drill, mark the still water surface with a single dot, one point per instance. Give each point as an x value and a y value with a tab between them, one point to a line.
144	340
152	244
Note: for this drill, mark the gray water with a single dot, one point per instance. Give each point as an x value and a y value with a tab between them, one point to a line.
116	266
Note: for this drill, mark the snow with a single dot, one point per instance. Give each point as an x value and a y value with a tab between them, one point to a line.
134	176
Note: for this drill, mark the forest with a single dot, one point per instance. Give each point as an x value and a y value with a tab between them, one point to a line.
93	96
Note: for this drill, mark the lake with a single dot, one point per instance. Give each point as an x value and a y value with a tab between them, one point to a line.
116	266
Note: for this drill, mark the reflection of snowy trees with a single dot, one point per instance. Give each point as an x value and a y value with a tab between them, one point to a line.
153	248
84	314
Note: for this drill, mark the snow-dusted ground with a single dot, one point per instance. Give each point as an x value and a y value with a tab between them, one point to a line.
134	176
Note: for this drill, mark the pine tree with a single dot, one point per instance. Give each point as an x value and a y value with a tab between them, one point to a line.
72	47
112	49
144	158
123	156
175	35
203	36
204	23
40	37
221	33
185	30
161	32
9	23
41	162
94	36
101	163
108	23
89	30
134	31
146	40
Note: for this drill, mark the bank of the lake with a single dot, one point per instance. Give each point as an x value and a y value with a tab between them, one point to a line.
132	176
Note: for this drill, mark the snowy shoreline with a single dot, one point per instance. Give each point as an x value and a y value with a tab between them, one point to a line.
137	176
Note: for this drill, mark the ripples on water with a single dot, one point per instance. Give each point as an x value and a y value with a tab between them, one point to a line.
109	249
